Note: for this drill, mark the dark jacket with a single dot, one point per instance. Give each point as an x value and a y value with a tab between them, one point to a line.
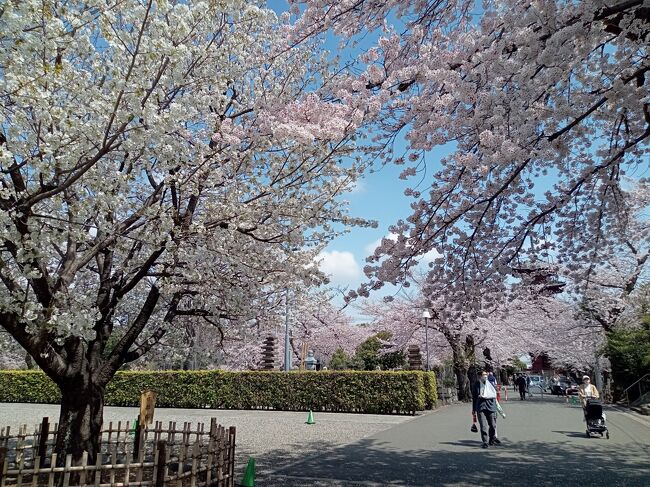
479	403
521	383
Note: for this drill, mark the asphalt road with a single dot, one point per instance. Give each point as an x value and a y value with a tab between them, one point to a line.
544	443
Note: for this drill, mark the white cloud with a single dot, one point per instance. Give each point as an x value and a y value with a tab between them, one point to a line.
341	267
358	187
430	256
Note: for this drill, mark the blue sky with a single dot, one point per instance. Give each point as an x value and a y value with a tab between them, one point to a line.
379	196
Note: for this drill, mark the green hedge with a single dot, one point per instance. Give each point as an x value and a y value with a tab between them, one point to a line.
27	386
345	391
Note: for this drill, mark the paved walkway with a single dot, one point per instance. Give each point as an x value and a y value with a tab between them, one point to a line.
544	443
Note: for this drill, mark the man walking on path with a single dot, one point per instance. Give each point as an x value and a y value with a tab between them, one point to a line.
521	383
484	405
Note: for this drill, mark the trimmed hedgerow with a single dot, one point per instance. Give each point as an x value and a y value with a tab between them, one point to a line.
345	391
27	386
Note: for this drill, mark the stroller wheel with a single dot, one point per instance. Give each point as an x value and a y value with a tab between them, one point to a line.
607	435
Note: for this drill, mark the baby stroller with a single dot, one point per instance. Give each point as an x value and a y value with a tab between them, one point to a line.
595	418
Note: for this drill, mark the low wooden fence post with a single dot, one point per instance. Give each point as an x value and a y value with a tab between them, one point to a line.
193	457
161	468
3	458
231	456
42	443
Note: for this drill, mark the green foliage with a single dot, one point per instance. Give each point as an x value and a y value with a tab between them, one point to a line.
518	364
340	360
27	386
368	356
430	390
401	392
628	350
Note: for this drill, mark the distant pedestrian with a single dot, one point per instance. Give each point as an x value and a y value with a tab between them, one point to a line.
484	406
521	384
492	379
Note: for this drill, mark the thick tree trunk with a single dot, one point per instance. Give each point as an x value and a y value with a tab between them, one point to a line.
473	373
461	371
504	378
29	361
80	419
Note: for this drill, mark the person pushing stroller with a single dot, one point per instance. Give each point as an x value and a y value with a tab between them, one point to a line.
587	391
592	408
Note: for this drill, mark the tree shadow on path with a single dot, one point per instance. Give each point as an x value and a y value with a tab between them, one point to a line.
572	434
531	463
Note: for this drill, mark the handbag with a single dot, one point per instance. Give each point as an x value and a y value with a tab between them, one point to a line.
474	429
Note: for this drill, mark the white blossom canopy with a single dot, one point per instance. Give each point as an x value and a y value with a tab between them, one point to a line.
158	159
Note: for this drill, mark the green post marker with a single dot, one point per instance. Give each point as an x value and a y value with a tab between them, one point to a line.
249	474
135	426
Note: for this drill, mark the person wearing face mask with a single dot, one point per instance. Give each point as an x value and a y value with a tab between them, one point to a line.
484	406
587	391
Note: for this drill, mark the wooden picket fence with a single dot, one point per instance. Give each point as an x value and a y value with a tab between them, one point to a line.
157	456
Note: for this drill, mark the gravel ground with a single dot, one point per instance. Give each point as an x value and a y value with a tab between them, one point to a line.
274	438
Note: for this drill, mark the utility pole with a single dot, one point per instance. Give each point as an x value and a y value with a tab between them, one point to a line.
426	315
287	346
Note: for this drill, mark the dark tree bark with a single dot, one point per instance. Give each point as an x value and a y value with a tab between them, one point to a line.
29	361
460	371
80	418
469	348
504	378
462	356
81	369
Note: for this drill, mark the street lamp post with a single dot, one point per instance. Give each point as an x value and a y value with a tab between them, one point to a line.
426	315
287	348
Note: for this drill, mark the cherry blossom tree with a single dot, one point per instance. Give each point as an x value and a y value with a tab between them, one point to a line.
519	324
236	344
546	109
545	105
325	328
451	335
402	318
158	160
608	275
